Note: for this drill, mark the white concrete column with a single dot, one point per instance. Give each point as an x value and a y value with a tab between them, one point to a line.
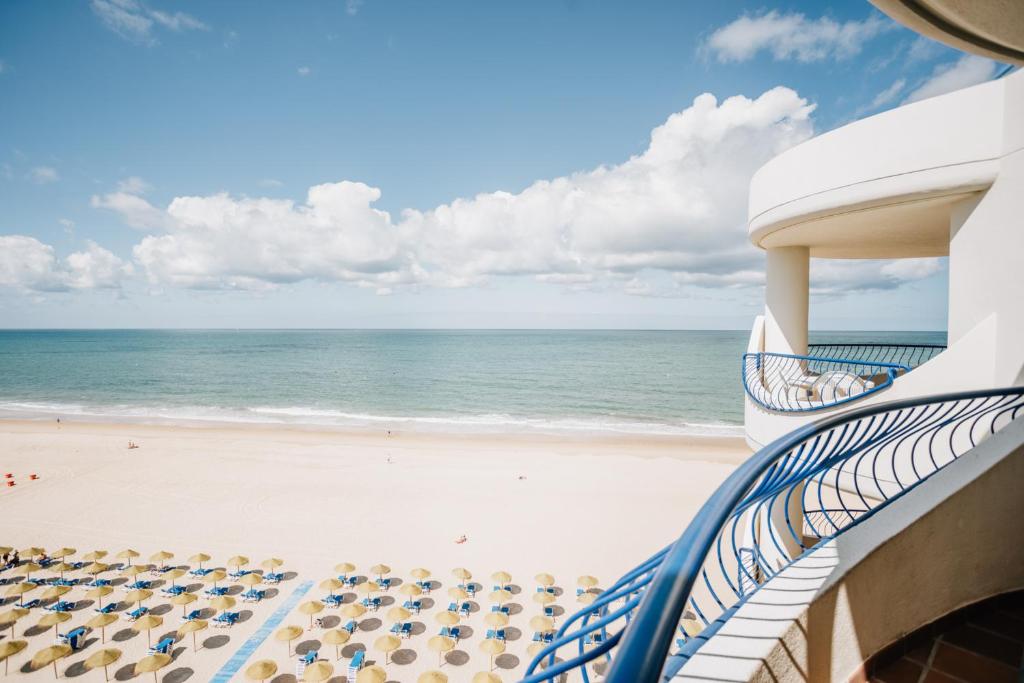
786	300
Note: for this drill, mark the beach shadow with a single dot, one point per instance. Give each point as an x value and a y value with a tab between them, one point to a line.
207	613
178	675
308	646
600	666
177	652
514	589
36	630
193	587
403	657
465	632
214	642
330	621
558	610
89	641
506	661
557	592
288	576
513	608
125	673
75	670
386	601
160	610
82	604
371	624
427	603
512	634
244	616
418	628
456	658
119	581
350	650
395	582
271	593
284	678
235	590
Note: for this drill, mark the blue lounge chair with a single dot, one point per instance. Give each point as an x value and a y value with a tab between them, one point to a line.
331	600
384	584
549	611
452	632
215	591
504	609
453	607
63	582
469	588
253	595
138	585
107	608
406	630
425	585
413	606
60	606
163	647
193	615
136	613
273	577
172	590
225	619
350	626
371	603
497	635
199	572
545	637
310	657
100	582
593	639
356	664
30	604
464	609
75	638
349	581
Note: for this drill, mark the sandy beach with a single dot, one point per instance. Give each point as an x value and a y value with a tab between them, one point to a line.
525	503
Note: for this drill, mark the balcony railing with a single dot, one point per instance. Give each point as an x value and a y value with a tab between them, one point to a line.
818	481
910	355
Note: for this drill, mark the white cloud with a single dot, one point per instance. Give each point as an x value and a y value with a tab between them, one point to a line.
27	264
793	36
135	21
68	225
304	71
43	175
133	185
966	71
271	182
838	276
889	94
133	209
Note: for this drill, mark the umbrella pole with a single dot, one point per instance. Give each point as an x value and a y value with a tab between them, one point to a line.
106	677
55	675
194	648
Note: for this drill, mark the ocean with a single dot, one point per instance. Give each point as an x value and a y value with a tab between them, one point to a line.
642	382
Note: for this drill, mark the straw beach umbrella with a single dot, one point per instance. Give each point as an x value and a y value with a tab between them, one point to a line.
420	574
432	677
62	567
367	588
272	563
133	571
496	620
160	557
127	554
462	574
353	610
19	589
398	613
54	592
486	677
94	555
238	561
372	674
193	627
99	592
53	619
251	580
344	568
586	598
26	570
63	552
152	664
380	570
330	585
387	645
184	600
95	568
410	589
336	637
9	648
544	598
147	623
542	624
103	658
138	596
441	645
11	616
545	579
456	593
500	596
222	602
50	655
32	551
287	635
215	576
502	578
318	671
199	558
310	607
261	670
102	621
173	575
586	581
447	618
493	648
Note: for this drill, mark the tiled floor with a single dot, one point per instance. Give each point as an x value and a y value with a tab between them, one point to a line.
983	643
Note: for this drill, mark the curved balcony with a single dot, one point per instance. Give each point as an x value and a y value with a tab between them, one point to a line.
788	499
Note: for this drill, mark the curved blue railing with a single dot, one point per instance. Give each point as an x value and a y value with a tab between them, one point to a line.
806	487
910	355
796	384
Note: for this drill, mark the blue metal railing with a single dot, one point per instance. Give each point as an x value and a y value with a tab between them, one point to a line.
807	486
910	355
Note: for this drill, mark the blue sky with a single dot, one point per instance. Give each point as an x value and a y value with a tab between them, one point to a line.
478	164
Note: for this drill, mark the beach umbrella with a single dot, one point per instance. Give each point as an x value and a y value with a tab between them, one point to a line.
147	623
238	561
215	576
503	578
440	645
193	627
99	592
50	655
353	610
367	588
102	621
272	563
261	670
398	613
11	616
287	635
19	589
95	568
543	598
492	647
103	658
447	618
32	551
420	574
134	570
63	552
173	575
542	623
432	677
330	585
161	557
586	598
456	593
94	555
251	580
54	592
545	579
26	569
199	558
486	677
461	574
380	570
534	649
310	607
128	554
184	600
222	602
586	581
5	549
318	671
500	596
138	596
336	637
53	619
344	568
152	664
372	674
62	567
410	589
496	620
9	648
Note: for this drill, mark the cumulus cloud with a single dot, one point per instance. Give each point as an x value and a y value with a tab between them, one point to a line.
133	209
136	22
966	71
29	265
839	276
889	94
793	36
43	175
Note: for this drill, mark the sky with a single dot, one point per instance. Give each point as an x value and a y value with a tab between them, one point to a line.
390	163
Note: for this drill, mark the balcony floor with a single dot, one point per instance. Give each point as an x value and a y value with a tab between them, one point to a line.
982	643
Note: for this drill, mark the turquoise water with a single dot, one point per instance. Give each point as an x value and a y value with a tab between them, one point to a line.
617	381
